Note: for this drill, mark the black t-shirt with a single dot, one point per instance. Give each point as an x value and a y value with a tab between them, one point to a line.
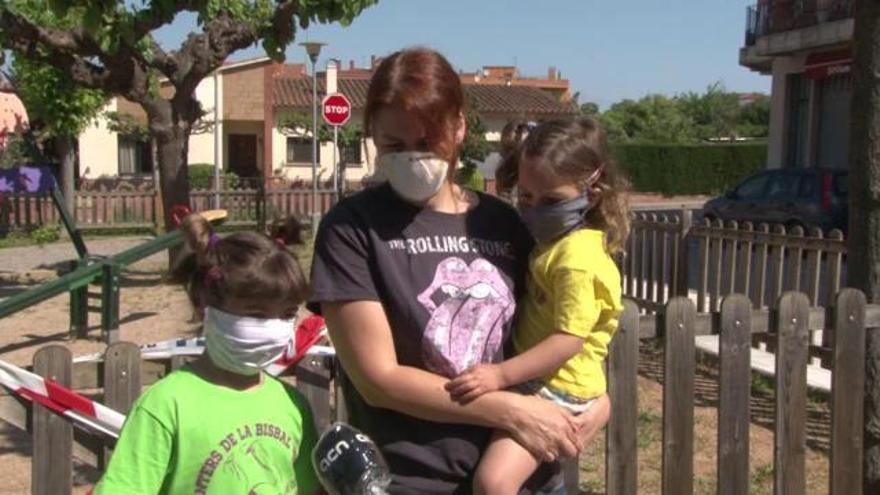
449	285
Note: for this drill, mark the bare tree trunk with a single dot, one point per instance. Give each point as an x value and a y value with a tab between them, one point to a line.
171	135
65	151
864	211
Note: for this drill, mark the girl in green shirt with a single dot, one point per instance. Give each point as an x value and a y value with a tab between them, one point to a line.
221	425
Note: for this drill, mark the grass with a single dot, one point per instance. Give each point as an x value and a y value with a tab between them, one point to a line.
649	428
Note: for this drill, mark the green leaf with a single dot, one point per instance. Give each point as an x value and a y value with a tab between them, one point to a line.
92	18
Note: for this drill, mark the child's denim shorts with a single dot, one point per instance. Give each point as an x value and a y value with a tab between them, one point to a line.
577	405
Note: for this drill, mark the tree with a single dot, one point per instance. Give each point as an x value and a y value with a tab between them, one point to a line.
59	111
113	50
474	150
654	118
754	118
590	109
713	114
864	212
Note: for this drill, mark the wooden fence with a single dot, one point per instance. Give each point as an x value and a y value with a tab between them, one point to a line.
669	254
675	325
137	209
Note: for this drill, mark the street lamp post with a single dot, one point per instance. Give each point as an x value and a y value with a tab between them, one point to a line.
313	49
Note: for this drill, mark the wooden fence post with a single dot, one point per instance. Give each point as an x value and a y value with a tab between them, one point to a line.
682	274
52	461
122	382
847	393
792	332
735	392
79	306
313	381
621	447
110	302
341	408
678	397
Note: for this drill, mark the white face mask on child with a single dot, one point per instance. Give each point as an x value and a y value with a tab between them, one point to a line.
245	345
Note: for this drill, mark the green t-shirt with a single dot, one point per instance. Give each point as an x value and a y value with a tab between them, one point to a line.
188	436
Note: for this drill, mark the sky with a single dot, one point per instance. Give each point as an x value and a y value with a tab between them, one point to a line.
608	49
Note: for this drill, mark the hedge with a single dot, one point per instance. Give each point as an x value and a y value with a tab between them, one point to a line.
201	176
689	169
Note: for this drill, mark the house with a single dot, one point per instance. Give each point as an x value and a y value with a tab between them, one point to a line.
806	46
13	116
256	98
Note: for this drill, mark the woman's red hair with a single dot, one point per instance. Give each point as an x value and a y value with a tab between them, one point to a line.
422	82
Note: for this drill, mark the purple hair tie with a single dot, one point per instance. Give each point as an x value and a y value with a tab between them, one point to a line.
213	239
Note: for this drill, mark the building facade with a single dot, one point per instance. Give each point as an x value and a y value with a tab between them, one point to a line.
257	102
806	46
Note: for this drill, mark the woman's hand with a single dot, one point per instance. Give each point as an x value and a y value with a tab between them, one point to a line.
543	428
593	420
475	382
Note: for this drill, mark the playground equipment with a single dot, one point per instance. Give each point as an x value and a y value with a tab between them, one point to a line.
88	270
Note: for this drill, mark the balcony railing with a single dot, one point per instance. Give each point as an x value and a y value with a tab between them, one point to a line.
777	16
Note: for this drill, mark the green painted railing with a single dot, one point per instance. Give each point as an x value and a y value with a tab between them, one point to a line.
105	270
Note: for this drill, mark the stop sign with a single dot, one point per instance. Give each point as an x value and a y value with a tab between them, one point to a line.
336	109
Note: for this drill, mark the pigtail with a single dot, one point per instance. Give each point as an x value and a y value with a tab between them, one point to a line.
194	261
512	137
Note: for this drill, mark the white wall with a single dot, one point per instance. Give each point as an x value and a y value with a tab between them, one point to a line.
99	148
201	146
325	165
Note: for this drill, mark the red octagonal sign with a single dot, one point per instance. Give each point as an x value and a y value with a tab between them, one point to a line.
336	109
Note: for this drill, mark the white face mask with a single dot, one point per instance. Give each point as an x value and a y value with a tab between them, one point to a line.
415	176
245	345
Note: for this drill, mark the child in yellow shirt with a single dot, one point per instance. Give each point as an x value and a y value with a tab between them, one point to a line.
570	196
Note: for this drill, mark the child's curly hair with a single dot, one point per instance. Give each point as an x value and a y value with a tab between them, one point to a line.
574	149
243	265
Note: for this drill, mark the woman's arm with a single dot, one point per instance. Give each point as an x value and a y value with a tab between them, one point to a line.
362	338
542	359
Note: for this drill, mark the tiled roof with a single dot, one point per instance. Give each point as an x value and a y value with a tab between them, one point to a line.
297	93
514	99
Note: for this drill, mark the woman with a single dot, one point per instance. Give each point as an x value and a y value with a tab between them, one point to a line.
418	281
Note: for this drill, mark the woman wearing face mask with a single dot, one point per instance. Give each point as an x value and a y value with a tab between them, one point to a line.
418	280
220	425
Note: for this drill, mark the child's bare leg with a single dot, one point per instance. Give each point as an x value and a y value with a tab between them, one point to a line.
505	466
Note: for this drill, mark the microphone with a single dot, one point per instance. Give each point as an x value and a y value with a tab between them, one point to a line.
349	463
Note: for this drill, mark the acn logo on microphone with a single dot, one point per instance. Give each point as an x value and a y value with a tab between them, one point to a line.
337	451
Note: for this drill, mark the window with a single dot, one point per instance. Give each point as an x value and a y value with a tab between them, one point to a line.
782	186
299	150
752	188
134	156
351	155
807	188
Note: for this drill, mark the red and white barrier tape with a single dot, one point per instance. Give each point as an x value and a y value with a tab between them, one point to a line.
61	399
96	416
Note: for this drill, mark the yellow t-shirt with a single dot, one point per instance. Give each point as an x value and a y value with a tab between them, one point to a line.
573	287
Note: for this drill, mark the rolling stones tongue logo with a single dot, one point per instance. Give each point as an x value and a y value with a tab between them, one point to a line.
470	306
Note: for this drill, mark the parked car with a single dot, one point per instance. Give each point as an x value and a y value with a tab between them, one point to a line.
808	197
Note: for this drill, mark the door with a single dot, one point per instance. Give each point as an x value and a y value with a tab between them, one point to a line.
243	155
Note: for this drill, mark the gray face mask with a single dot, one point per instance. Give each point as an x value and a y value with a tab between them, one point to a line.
550	222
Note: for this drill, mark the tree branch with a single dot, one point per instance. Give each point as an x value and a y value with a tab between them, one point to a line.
72	41
154	17
202	53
